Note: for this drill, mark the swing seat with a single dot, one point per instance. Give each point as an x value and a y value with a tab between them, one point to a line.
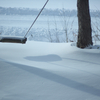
11	39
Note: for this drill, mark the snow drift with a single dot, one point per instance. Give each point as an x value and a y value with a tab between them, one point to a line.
49	71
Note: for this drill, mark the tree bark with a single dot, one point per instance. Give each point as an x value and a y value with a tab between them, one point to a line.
84	24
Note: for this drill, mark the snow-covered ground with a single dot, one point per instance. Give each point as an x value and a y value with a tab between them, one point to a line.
43	70
49	71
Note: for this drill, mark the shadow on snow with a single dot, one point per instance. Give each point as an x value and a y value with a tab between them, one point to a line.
59	79
45	58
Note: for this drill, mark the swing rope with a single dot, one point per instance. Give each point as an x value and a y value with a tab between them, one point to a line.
20	39
36	18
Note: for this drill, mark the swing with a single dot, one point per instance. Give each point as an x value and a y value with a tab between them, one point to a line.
11	39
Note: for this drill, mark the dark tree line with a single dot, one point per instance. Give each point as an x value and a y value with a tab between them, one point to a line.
50	12
27	11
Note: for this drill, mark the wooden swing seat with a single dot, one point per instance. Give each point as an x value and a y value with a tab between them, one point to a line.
11	39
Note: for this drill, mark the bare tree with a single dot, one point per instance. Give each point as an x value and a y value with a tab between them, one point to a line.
84	24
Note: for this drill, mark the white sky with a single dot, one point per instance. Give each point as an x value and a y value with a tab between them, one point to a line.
68	4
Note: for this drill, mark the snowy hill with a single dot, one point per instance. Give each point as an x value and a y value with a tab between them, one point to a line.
49	71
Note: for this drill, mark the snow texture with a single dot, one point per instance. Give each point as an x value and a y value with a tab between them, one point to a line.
49	71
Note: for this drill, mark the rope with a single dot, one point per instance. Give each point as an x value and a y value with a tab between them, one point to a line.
36	18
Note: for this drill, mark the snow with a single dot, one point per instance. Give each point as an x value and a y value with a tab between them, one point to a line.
12	37
42	70
49	71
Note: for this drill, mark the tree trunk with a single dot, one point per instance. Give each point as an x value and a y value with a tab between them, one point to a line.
84	24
